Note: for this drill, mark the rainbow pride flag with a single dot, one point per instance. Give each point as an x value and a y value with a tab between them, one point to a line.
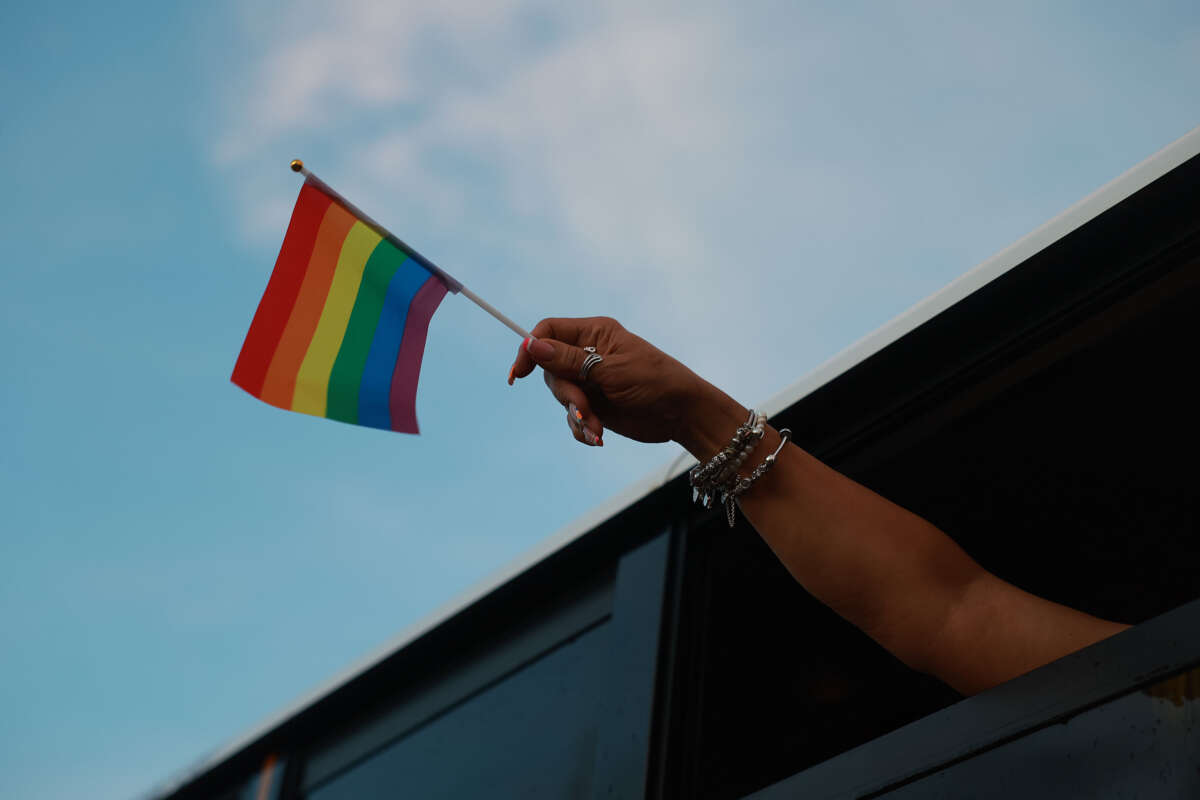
340	330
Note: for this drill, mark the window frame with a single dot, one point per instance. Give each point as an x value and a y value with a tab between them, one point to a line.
1133	659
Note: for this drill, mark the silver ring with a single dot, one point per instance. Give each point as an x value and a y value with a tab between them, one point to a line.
593	358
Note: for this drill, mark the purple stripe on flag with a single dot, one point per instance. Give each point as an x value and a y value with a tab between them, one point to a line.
375	388
403	398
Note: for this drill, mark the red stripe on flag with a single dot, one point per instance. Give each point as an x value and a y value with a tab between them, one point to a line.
403	398
282	289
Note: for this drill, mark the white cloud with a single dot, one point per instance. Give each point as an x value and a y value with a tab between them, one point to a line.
725	174
612	136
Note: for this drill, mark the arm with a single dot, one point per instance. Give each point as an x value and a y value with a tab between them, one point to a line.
887	571
891	573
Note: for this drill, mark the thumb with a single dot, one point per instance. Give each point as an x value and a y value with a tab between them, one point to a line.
558	358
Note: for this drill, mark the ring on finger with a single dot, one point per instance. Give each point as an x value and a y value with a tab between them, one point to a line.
592	359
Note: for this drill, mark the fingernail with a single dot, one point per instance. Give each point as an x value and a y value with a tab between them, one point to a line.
590	437
540	350
511	370
574	414
525	343
599	442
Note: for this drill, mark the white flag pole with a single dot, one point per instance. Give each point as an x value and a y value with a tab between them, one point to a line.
451	282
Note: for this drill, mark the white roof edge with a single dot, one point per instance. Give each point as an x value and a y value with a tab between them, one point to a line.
1078	214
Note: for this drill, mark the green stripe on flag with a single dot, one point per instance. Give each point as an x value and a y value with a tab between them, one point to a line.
346	377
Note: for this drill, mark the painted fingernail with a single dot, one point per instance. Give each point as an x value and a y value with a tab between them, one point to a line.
590	437
511	370
525	343
540	350
599	442
575	411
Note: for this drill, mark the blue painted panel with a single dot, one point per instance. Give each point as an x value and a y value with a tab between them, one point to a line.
531	735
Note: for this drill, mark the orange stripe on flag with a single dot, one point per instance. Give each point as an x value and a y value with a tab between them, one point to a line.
280	383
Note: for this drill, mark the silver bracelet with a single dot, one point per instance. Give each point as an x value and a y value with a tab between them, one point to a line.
743	445
720	472
730	497
707	473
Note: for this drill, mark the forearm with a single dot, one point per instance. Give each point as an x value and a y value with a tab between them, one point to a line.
892	574
882	568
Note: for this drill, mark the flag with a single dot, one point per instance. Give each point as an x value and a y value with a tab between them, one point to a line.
340	330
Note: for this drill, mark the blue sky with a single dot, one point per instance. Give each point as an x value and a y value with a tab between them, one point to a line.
178	561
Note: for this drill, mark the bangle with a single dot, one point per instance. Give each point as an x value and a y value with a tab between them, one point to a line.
720	473
719	476
730	497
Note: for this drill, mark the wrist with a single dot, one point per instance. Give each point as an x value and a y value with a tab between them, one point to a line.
709	420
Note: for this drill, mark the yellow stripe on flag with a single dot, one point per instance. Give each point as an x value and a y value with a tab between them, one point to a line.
312	382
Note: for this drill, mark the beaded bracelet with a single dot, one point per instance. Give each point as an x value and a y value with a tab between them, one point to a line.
708	472
710	476
721	470
720	474
730	498
738	452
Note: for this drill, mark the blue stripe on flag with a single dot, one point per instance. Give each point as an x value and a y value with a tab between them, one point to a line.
373	407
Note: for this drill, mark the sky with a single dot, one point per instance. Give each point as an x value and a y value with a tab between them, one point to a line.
752	186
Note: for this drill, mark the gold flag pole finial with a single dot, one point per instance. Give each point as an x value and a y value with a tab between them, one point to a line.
297	165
